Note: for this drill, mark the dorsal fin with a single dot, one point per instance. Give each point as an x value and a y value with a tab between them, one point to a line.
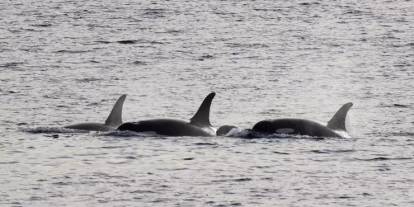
115	117
202	117
338	120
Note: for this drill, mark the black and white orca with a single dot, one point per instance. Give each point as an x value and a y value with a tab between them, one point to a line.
199	124
112	122
293	126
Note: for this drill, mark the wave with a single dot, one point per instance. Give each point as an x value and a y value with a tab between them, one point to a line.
383	158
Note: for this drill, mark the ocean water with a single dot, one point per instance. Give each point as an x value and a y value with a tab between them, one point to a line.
65	62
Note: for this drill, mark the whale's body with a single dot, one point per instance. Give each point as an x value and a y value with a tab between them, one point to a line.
199	125
168	127
90	126
112	122
293	126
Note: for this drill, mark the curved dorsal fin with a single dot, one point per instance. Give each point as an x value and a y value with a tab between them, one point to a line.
202	117
338	120
115	117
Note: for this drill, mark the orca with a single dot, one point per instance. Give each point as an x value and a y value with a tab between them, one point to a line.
293	126
199	124
225	129
112	122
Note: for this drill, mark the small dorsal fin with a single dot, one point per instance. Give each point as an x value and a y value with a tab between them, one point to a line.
202	117
338	120
115	117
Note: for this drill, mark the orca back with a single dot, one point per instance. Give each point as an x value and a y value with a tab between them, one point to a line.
114	119
90	127
167	127
294	127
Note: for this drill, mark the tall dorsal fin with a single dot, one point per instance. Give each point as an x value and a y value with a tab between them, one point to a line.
202	117
115	117
338	120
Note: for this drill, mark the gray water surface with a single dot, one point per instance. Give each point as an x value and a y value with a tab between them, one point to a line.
64	62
